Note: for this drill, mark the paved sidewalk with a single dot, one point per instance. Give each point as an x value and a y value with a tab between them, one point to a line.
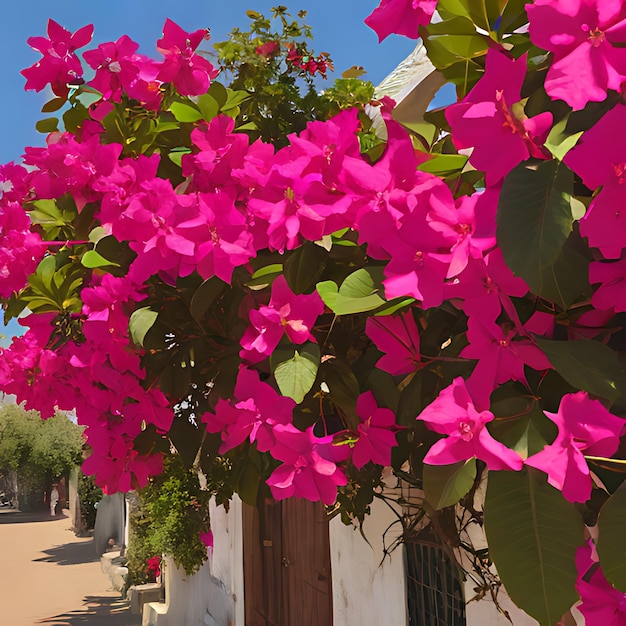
49	576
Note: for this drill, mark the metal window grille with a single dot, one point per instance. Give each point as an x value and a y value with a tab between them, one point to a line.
434	589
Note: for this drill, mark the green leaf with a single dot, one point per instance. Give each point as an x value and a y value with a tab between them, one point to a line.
304	267
357	294
176	156
141	321
219	93
92	259
587	365
47	125
235	98
185	112
566	279
560	141
527	433
53	105
533	534
444	164
611	544
205	295
264	276
535	218
295	375
209	106
445	485
392	306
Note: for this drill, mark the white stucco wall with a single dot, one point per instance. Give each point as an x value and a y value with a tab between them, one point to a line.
366	590
214	595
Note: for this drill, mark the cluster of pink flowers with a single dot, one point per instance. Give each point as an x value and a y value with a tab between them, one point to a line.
239	198
118	66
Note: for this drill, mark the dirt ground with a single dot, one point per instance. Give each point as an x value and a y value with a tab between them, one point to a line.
49	576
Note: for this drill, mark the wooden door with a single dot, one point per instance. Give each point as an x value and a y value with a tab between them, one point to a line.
287	574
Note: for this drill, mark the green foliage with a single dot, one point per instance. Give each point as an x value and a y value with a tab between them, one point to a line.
34	446
611	545
533	535
272	62
173	511
90	494
535	220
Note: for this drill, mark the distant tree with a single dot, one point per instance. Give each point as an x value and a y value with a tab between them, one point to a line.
37	449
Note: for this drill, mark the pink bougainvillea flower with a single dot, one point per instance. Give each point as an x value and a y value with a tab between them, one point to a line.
601	602
21	250
190	73
587	39
601	161
253	413
397	336
502	352
584	425
376	432
153	565
490	120
458	223
115	66
224	242
401	17
611	294
306	471
287	314
207	538
59	65
453	413
268	49
486	286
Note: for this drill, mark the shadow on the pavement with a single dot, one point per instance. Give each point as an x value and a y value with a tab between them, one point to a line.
97	611
14	516
70	554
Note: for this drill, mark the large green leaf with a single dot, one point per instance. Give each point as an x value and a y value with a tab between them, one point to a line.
296	374
141	321
587	365
533	534
445	485
535	218
611	544
521	425
357	294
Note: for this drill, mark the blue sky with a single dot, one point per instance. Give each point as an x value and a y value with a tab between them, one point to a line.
337	25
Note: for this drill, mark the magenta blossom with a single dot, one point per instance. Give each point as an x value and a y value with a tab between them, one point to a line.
399	338
584	425
502	352
253	413
611	294
587	39
190	73
287	314
453	413
601	161
490	120
59	65
402	17
207	538
601	602
376	432
306	471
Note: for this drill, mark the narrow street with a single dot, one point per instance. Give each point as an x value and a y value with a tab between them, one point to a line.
50	576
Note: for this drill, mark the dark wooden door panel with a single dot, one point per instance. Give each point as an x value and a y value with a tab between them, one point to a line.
287	573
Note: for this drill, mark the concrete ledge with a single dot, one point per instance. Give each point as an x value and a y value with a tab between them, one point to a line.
155	613
142	594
